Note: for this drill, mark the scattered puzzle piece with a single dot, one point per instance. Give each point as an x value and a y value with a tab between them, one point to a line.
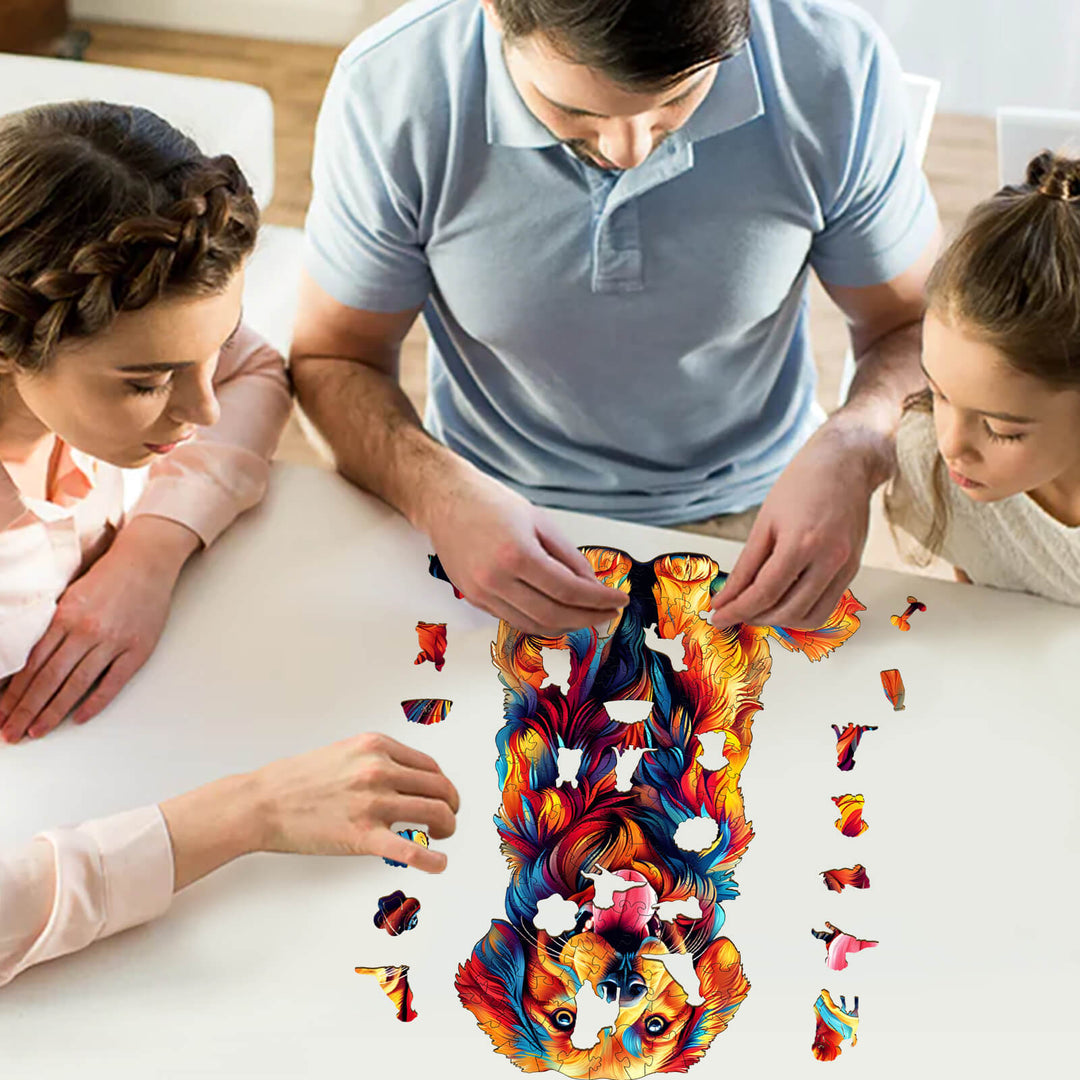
850	821
847	742
838	945
833	1025
397	913
417	836
435	569
432	638
838	880
395	984
893	686
426	711
902	622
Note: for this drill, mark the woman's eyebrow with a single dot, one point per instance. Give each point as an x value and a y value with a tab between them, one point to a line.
147	369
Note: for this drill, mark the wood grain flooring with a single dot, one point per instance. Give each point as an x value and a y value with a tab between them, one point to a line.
960	163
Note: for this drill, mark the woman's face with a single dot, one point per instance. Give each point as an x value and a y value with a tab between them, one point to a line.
139	388
999	430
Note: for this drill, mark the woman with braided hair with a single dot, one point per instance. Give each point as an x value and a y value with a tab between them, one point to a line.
989	453
121	268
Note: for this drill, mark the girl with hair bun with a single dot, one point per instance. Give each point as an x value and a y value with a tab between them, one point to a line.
989	454
122	250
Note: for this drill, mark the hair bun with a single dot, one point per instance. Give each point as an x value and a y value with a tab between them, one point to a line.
1055	176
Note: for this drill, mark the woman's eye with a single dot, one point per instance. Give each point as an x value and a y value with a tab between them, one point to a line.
563	1019
655	1024
149	388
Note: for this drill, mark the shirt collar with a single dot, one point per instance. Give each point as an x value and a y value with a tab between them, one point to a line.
74	477
733	100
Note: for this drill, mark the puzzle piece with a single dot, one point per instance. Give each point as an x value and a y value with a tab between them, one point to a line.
838	880
435	569
712	749
555	915
426	711
593	1015
847	742
626	761
417	836
395	984
850	821
557	667
680	967
893	686
833	1024
670	910
902	622
432	639
568	762
672	648
628	710
397	913
697	834
606	885
838	945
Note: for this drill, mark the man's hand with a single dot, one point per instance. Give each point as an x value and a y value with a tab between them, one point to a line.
805	546
507	558
105	627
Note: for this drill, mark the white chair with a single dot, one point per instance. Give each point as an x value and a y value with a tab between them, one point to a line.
222	117
922	99
1022	133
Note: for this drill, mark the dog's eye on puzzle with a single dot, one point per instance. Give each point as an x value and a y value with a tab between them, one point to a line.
563	1019
672	648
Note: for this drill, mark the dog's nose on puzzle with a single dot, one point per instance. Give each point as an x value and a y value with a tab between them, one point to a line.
593	796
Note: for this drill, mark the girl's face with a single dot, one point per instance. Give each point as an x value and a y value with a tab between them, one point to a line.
999	430
141	387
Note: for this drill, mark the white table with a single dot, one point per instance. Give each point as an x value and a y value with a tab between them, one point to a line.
298	629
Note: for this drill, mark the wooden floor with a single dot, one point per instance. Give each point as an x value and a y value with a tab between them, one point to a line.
960	163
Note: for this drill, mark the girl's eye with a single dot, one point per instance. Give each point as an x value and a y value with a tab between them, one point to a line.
998	437
563	1019
655	1024
149	388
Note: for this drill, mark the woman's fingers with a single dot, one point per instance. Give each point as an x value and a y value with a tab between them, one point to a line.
389	845
48	679
74	688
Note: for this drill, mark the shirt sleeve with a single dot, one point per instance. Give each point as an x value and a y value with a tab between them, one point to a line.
208	482
71	887
362	235
881	215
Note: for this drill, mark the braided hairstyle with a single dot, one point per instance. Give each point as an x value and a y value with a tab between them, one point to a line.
106	208
1011	278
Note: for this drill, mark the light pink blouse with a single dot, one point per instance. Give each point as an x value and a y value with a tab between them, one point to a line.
69	887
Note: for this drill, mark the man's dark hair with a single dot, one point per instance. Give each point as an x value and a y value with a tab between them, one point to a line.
638	43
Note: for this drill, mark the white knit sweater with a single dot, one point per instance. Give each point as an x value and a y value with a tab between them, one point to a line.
1010	544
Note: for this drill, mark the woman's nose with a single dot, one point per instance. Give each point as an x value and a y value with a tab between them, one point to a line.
195	402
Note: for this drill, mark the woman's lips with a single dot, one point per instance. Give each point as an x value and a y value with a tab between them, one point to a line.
962	481
164	448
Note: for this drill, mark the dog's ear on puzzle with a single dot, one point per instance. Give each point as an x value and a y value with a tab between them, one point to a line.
491	986
817	644
723	986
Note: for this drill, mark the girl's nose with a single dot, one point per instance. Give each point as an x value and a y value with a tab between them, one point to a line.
195	401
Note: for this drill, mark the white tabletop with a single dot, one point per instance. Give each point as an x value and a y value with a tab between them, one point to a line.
298	629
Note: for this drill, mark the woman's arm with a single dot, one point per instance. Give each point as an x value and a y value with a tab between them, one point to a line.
71	887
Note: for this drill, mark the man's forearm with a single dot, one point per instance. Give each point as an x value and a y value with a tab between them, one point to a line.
886	373
375	433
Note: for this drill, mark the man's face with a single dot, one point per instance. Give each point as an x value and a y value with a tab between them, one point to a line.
603	123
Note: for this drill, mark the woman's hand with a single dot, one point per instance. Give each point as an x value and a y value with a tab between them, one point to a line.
106	625
342	799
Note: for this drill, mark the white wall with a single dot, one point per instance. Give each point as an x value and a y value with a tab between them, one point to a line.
986	52
989	52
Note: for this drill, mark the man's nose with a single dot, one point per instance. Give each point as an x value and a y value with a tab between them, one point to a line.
626	143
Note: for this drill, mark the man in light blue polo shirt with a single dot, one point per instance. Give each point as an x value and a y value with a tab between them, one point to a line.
608	221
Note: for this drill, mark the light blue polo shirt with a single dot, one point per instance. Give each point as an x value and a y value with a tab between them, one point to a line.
630	344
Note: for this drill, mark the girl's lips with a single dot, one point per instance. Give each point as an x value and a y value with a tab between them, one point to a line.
962	481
